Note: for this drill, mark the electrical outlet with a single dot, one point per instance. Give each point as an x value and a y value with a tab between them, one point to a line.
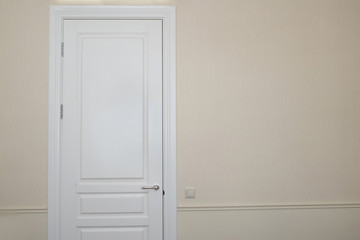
190	192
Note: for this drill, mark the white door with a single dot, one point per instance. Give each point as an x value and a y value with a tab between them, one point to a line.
111	146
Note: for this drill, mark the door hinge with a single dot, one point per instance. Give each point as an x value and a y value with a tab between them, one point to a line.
61	111
62	49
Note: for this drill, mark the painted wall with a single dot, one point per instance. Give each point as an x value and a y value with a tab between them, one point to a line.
268	115
269	101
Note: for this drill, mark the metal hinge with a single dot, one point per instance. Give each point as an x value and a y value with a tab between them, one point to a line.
61	111
62	49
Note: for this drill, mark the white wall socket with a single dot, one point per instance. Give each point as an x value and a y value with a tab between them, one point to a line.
189	192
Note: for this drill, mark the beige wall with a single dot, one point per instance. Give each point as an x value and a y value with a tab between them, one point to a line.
23	103
23	226
270	224
269	101
268	113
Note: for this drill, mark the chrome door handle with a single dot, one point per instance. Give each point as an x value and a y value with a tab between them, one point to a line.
155	187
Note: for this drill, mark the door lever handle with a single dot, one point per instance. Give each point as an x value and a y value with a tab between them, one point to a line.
155	187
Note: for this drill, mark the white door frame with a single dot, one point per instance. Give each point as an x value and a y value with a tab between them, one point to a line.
165	13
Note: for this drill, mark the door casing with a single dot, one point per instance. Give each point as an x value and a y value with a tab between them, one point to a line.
165	13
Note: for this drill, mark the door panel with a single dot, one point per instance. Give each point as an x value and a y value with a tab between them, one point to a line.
112	110
113	203
112	130
115	234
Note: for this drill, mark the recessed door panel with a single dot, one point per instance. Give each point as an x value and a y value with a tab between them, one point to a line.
114	234
129	204
113	105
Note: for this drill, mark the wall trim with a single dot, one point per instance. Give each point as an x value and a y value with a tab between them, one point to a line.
196	208
188	208
22	210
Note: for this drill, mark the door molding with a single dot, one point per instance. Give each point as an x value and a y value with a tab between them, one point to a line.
165	13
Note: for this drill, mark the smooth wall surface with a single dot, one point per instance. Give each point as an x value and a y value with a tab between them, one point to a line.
24	30
268	114
280	224
23	225
268	101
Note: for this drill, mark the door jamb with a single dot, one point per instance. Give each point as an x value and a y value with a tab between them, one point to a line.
165	13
